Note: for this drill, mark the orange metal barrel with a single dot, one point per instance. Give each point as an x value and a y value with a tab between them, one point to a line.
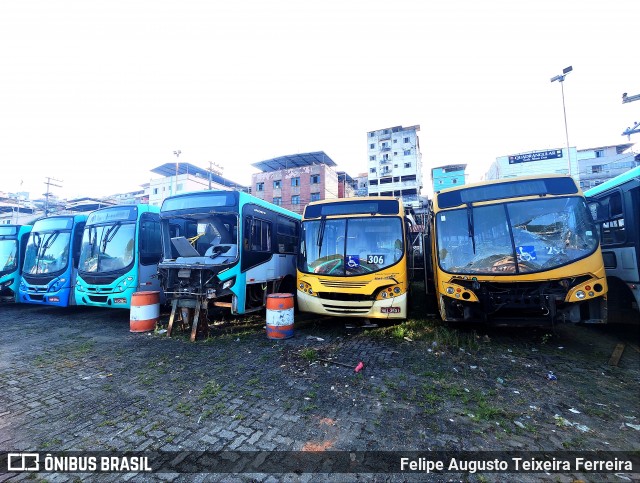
280	316
145	311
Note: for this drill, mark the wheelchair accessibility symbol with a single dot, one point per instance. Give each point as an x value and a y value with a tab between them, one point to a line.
526	253
353	261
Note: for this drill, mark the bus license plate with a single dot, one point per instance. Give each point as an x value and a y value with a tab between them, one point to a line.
390	310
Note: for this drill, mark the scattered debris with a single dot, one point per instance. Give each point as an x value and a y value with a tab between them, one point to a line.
574	411
162	331
519	424
313	337
560	421
622	476
408	339
616	355
551	376
499	380
633	426
358	367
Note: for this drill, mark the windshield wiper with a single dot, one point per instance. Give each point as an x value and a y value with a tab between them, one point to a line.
470	226
47	244
323	224
109	235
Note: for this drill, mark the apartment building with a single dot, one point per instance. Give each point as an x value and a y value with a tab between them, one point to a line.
547	161
600	164
180	178
448	176
395	163
293	181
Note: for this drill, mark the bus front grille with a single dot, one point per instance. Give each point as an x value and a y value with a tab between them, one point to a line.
343	284
98	298
342	309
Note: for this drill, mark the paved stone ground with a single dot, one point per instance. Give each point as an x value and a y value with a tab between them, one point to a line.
77	379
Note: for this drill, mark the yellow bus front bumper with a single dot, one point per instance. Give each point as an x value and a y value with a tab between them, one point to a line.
390	308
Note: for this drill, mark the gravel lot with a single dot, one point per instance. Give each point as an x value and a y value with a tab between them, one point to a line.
77	379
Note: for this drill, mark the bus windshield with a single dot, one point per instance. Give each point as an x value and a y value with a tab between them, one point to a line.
8	255
515	237
351	246
47	252
106	248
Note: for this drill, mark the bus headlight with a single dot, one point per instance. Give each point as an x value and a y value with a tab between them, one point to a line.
306	288
450	290
229	283
55	286
389	292
580	294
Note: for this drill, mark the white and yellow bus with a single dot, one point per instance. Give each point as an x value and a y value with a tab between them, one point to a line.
516	250
353	258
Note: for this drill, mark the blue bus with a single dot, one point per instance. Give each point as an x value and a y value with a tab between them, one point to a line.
616	204
51	260
119	255
226	249
13	242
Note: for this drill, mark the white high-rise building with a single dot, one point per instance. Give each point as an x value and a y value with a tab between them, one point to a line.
395	163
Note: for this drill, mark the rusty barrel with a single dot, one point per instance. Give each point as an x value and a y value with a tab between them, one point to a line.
280	316
145	310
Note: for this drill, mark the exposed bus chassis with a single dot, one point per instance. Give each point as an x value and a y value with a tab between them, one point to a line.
192	290
522	303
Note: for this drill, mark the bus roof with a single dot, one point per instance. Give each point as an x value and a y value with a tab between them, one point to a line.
614	182
374	205
506	188
239	195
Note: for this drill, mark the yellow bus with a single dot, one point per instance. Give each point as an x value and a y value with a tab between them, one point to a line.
353	259
517	250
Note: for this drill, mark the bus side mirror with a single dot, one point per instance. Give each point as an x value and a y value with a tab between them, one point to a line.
598	211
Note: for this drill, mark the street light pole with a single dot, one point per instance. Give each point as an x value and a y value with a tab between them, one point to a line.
177	153
560	78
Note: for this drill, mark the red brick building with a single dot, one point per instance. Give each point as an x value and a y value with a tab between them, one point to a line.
293	181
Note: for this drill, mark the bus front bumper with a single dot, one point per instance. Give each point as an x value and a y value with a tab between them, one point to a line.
391	308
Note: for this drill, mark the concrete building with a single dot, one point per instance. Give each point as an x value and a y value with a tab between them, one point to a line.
600	164
395	163
548	161
180	178
448	176
346	185
293	181
361	184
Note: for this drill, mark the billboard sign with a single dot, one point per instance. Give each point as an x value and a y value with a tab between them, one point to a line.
535	156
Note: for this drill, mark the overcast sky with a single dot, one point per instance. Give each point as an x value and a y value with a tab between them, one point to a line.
96	93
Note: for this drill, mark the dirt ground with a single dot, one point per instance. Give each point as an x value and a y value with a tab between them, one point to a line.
77	379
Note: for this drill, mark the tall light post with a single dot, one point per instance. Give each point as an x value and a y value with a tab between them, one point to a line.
177	152
560	78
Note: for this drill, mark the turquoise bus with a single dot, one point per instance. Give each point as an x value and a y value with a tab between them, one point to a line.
119	255
226	249
616	204
13	242
51	261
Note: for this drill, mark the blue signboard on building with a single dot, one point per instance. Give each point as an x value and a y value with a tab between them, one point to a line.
535	156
